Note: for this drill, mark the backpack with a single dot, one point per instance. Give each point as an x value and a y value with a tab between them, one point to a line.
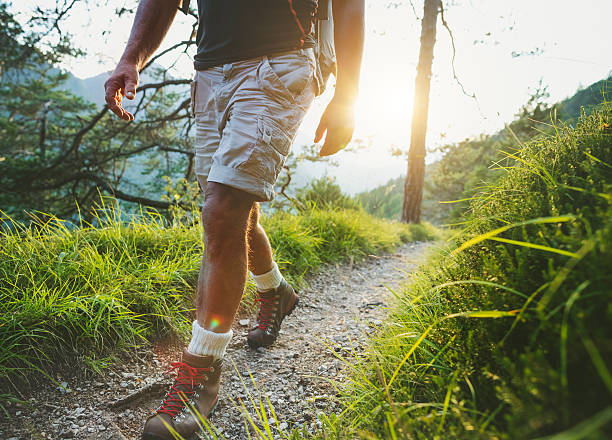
325	52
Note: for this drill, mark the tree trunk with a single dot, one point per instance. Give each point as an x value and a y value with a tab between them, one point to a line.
413	187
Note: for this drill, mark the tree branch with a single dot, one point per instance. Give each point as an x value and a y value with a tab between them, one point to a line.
78	137
164	52
450	33
177	150
159	85
106	186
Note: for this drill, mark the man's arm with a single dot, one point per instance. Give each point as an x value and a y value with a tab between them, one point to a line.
152	21
338	119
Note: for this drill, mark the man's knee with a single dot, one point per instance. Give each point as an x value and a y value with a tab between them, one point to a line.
226	211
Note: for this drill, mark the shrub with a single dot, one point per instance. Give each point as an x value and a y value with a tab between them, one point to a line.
324	193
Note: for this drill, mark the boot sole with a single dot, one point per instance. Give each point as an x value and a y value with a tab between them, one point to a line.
255	344
194	436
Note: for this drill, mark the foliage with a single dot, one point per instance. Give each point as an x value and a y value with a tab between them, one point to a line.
508	334
324	193
56	149
69	291
384	201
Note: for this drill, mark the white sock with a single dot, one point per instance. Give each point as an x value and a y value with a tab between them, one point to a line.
269	280
207	343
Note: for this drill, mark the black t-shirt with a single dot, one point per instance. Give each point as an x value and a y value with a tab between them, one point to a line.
234	30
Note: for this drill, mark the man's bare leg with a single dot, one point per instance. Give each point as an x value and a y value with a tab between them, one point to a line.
260	252
276	298
225	217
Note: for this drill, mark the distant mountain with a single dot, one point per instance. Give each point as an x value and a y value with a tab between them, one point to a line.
90	89
588	98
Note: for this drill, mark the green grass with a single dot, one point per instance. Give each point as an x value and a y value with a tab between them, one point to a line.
90	291
507	332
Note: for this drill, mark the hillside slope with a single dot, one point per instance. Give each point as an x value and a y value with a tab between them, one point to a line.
508	333
466	165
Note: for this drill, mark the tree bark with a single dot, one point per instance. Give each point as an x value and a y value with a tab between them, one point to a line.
413	187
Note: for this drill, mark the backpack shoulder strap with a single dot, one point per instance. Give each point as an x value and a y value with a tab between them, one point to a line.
323	10
184	6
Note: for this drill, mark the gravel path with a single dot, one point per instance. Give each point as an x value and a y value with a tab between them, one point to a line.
341	305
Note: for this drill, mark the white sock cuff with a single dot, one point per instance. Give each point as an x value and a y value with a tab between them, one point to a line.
207	343
269	280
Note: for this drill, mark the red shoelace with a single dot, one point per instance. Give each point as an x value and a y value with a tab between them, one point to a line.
266	310
187	377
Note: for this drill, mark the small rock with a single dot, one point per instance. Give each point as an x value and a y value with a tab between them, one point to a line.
123	384
63	387
283	426
244	322
127	375
101	428
261	350
67	433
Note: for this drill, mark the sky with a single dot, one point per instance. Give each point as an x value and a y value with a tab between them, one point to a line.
504	50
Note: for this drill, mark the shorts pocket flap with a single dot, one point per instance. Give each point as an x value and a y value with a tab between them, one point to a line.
273	135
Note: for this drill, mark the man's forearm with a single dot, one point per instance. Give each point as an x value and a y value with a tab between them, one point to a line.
348	41
152	21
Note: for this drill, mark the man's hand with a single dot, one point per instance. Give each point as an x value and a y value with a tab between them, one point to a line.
152	21
338	119
339	122
122	82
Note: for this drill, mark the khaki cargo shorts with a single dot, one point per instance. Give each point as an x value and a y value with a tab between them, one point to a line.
247	114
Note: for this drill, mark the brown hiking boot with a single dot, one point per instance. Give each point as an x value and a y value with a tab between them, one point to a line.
193	396
274	305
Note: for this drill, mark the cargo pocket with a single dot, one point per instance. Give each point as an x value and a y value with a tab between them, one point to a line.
269	152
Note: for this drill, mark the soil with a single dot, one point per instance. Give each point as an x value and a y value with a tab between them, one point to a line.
340	307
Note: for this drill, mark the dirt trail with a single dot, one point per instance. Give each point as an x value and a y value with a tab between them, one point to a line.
341	305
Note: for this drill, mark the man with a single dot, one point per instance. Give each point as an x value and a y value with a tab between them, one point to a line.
255	79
